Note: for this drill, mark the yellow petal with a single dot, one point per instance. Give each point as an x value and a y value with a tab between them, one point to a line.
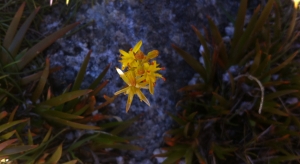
122	75
142	96
121	91
124	53
151	87
152	54
137	46
129	100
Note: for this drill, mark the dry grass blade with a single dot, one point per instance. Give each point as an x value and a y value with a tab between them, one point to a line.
6	143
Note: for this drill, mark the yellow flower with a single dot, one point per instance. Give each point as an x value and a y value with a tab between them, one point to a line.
135	57
134	87
129	59
150	75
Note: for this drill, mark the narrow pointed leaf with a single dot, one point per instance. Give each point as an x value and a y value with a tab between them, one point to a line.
41	85
11	124
56	101
218	40
16	43
71	124
239	23
71	162
30	78
47	136
7	135
282	65
173	157
191	61
206	54
36	49
99	78
81	73
6	143
55	156
271	96
81	142
63	115
16	149
10	34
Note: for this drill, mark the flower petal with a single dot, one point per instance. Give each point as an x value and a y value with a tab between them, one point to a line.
152	54
137	46
121	91
151	87
142	96
129	100
122	75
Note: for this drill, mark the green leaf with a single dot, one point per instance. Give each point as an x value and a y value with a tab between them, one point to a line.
16	43
13	27
80	75
71	124
71	162
282	65
56	155
117	146
43	44
11	124
218	40
7	135
189	156
239	23
81	142
180	121
40	87
108	139
257	59
241	46
192	62
174	156
99	78
123	126
30	78
63	115
16	149
271	96
30	139
56	101
206	54
47	136
223	102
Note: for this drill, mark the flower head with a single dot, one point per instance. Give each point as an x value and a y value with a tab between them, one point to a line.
134	87
140	73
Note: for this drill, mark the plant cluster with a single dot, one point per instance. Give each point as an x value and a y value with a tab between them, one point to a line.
34	122
140	74
245	107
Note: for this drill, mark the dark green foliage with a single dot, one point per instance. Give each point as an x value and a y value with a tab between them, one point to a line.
241	112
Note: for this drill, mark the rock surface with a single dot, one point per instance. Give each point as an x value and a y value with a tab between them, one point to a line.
120	25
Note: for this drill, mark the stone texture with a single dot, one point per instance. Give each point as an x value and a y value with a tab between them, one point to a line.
120	25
